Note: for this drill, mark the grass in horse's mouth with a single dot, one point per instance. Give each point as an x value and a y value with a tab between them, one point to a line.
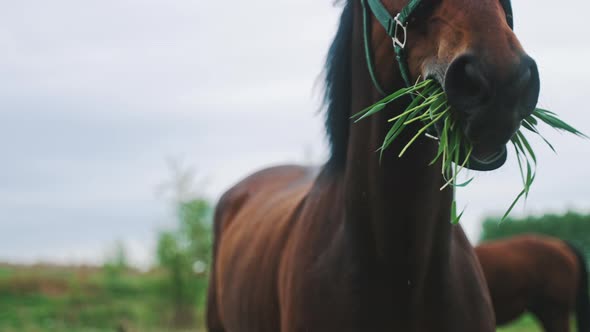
430	108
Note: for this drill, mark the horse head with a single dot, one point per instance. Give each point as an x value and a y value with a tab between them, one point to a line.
470	49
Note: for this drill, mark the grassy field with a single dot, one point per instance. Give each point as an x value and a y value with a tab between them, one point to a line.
525	324
51	298
90	299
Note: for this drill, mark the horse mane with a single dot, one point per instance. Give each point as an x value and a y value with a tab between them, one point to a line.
337	88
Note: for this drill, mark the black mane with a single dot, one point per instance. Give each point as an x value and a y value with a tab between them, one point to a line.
337	95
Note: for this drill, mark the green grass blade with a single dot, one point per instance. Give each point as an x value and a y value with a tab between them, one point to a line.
375	109
457	171
455	219
512	205
420	132
442	141
464	184
552	120
516	151
395	130
531	127
526	144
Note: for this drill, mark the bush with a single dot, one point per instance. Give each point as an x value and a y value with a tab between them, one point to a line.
185	254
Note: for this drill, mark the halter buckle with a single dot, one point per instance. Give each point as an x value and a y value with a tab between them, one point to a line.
399	27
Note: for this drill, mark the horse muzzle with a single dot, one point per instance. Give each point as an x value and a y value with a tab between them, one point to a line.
489	103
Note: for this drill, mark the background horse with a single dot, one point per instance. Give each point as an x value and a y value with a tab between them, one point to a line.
367	244
542	275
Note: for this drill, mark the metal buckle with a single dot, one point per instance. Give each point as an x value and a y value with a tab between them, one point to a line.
398	25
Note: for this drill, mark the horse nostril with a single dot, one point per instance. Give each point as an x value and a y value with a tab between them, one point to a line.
526	87
466	85
523	81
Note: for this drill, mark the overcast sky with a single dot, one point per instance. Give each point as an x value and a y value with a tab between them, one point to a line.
95	96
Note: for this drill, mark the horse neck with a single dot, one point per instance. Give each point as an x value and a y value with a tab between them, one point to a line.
393	205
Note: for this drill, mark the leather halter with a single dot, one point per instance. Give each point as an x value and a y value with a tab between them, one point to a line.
396	27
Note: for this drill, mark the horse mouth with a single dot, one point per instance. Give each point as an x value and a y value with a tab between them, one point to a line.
488	160
477	157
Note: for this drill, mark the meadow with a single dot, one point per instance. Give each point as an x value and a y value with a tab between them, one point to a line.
525	324
93	299
88	299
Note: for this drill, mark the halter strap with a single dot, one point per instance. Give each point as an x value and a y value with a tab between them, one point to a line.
393	27
396	27
507	5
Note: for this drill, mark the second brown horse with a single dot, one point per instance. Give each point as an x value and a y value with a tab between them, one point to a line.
539	274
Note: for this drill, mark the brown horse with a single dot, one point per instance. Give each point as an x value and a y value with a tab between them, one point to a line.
366	244
542	275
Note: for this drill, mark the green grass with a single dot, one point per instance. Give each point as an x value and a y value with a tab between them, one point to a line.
47	299
525	324
430	107
73	299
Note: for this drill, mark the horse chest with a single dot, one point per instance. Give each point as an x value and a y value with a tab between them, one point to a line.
341	293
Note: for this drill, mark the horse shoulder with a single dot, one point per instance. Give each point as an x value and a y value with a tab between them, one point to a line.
319	279
252	223
469	280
